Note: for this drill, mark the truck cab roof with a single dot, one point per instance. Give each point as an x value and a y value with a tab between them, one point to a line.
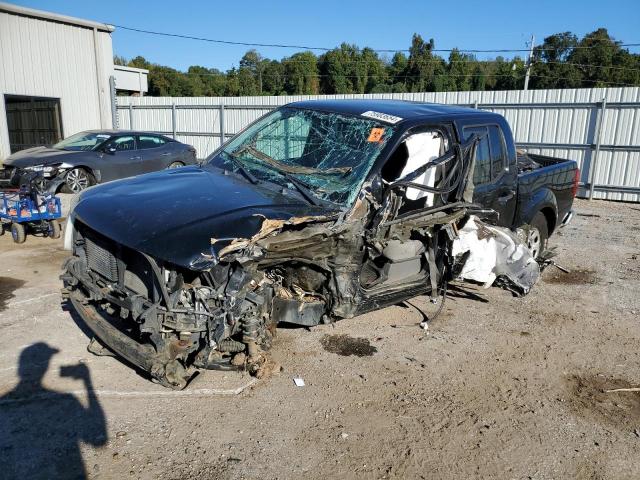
407	111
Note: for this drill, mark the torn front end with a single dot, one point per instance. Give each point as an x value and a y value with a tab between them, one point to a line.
162	318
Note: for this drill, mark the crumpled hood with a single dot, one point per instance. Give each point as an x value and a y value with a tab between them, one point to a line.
39	156
174	214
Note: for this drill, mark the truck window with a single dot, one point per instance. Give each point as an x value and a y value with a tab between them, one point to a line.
482	172
498	153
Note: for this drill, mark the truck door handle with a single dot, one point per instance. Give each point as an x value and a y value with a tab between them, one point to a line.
135	158
506	197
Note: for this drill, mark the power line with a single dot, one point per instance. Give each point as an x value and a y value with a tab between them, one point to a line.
630	69
226	42
620	84
326	49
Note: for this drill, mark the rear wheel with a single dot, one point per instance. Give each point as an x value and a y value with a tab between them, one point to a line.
18	232
175	165
53	229
537	235
77	179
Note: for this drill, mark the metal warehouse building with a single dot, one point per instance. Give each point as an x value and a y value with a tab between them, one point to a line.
54	77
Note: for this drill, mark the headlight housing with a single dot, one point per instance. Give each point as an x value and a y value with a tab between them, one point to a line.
49	171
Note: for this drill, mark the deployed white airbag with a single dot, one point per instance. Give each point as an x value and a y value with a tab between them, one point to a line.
422	148
494	252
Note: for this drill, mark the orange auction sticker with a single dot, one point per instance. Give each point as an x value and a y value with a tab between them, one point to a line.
376	134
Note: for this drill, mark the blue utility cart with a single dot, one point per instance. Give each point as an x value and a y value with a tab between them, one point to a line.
26	210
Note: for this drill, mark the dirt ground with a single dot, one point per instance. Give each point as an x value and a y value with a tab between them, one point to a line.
498	387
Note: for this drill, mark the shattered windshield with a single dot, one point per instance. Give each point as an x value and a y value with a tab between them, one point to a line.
327	153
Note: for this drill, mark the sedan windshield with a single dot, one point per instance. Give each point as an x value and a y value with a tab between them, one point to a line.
327	153
83	141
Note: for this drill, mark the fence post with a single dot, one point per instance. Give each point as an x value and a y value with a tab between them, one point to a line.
130	117
114	102
594	159
173	119
222	134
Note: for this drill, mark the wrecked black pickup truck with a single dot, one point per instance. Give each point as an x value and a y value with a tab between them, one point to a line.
317	211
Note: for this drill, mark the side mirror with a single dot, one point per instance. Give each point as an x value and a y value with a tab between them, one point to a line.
110	150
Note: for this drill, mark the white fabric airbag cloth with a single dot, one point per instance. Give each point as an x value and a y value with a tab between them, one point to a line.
422	148
495	252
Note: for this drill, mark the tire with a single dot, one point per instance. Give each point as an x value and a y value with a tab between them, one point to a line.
173	165
53	230
78	179
538	235
18	232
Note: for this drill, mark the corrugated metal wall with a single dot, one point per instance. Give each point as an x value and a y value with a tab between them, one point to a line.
562	123
43	58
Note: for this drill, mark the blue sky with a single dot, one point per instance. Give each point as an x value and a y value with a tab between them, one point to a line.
377	24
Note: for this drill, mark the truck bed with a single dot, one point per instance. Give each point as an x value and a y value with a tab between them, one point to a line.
537	173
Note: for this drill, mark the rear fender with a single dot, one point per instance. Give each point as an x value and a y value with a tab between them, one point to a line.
541	200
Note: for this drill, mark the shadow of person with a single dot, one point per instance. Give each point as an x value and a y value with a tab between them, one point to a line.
41	429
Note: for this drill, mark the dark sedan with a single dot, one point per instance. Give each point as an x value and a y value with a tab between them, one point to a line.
91	157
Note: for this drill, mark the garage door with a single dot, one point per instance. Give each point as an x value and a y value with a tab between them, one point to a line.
32	121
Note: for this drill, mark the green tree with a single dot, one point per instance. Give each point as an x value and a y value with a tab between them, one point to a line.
421	66
273	77
336	70
550	68
509	74
250	73
561	61
301	74
603	61
460	71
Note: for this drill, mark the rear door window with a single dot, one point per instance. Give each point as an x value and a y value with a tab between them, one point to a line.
123	144
498	151
150	141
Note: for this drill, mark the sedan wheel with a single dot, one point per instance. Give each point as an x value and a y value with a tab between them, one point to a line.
175	165
77	180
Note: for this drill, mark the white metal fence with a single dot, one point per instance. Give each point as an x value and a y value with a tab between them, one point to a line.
599	128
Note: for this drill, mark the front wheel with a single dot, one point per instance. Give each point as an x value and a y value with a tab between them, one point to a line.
77	179
538	235
18	232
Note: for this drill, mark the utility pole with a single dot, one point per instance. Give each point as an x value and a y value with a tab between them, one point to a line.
529	63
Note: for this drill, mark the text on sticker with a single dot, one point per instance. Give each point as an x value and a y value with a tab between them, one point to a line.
383	117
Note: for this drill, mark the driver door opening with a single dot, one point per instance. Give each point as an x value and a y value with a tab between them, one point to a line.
404	258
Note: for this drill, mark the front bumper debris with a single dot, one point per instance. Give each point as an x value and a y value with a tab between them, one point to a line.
168	373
